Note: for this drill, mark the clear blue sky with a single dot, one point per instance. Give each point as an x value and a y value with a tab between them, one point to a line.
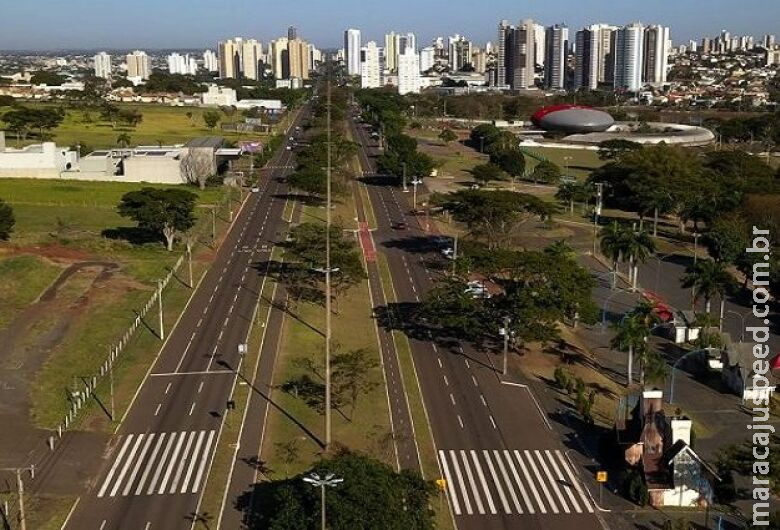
52	24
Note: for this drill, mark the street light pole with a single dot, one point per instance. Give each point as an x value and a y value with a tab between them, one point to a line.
315	480
507	320
327	285
20	491
406	189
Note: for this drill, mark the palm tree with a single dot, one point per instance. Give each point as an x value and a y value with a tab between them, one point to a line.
630	336
612	245
560	249
708	279
567	193
638	246
123	140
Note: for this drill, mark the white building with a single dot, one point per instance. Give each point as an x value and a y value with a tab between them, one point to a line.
102	65
182	64
409	72
45	161
594	56
629	57
210	61
540	40
217	96
556	50
352	45
139	65
458	52
427	58
251	56
370	67
239	57
656	54
391	51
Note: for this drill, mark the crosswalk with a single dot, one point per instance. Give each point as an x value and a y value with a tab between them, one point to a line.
489	482
158	464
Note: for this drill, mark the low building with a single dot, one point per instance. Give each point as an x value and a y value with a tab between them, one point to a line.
43	161
739	373
217	96
272	106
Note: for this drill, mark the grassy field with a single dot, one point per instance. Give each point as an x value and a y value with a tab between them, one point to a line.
22	279
574	162
160	125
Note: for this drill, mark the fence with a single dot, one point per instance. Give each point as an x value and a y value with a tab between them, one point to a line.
80	397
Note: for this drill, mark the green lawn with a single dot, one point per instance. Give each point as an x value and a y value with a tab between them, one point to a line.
22	279
160	124
574	162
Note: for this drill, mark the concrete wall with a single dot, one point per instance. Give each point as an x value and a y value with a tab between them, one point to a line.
163	170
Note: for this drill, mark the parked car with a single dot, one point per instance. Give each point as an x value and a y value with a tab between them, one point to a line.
399	225
448	253
255	189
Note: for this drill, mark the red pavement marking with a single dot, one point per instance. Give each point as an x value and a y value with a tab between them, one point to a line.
367	243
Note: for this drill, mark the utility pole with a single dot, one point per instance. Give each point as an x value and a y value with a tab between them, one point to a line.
507	320
111	385
406	190
455	255
20	491
189	263
213	224
160	307
327	283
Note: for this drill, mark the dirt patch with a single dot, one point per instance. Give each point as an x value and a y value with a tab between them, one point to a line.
54	252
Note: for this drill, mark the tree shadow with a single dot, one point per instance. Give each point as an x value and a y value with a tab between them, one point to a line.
132	234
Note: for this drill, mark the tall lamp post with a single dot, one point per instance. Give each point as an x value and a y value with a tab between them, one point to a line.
318	482
506	333
328	285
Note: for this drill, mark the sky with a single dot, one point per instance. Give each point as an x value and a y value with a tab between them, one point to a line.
155	24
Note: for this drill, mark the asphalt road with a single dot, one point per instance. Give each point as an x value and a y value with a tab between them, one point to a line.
505	467
158	463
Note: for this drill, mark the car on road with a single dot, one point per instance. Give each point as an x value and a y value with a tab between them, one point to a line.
399	225
255	189
289	148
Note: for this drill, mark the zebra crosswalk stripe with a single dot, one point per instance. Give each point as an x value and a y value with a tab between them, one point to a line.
492	482
168	463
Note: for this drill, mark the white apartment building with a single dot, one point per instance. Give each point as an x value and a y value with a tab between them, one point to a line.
427	58
370	67
352	45
629	57
594	56
182	64
391	51
239	57
102	65
556	50
210	61
139	65
458	52
540	41
409	72
656	54
217	96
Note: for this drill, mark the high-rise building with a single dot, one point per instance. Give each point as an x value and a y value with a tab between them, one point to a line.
556	49
407	41
251	57
629	59
102	65
298	56
706	46
503	54
210	61
656	54
370	68
459	52
229	58
427	58
479	59
139	65
540	44
769	41
239	58
280	58
352	51
391	51
595	56
408	72
292	33
523	53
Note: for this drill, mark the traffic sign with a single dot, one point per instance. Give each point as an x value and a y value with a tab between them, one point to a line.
601	476
442	484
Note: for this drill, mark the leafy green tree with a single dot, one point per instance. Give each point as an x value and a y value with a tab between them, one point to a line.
483	136
211	118
495	215
353	375
45	77
311	181
372	495
131	117
567	193
612	245
637	247
485	173
169	212
7	220
614	149
510	160
123	140
21	120
547	172
630	337
727	238
447	136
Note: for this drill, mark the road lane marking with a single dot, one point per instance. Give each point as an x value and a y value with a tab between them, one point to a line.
460	420
450	484
182	462
204	459
191	467
200	386
563	482
167	388
530	482
507	480
529	458
157	410
161	465
461	482
553	482
137	468
192	408
481	476
128	462
114	467
172	464
470	476
496	482
150	463
575	481
493	421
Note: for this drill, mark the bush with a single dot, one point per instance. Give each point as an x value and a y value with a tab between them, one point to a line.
634	488
561	378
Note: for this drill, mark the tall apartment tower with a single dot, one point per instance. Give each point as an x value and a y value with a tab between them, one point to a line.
251	57
629	57
292	33
139	65
392	43
523	51
352	51
459	52
229	58
102	65
299	58
540	44
556	49
595	56
280	58
370	67
503	54
408	72
656	54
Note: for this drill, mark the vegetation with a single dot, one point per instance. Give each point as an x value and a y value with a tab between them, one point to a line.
167	212
546	172
7	220
485	173
23	120
372	495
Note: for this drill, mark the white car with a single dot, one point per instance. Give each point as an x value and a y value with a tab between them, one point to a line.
448	253
255	190
477	290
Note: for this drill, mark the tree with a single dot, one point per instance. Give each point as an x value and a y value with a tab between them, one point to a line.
637	247
22	120
614	149
708	279
352	375
168	212
7	220
123	140
447	136
510	160
567	193
484	173
288	453
211	118
612	245
547	172
630	335
44	77
131	117
196	168
727	238
372	495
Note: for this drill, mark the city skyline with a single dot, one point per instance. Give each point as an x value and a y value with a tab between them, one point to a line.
29	27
